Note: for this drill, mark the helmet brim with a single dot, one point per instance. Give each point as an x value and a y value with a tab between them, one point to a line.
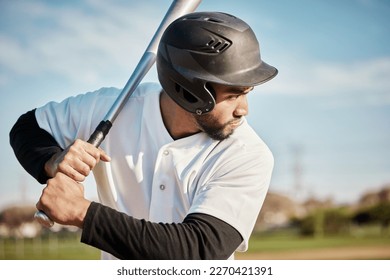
259	75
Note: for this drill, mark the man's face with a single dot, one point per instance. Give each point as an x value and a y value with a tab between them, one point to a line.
231	106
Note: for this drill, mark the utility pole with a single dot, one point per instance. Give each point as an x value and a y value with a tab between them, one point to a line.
23	190
297	171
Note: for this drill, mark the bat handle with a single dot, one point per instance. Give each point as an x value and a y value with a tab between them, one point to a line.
100	133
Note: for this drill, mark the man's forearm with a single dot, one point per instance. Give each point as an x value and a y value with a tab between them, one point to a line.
199	236
33	146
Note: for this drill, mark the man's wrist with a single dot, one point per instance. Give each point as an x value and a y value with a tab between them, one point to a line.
82	213
50	166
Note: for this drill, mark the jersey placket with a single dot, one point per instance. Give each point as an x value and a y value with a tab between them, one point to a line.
163	188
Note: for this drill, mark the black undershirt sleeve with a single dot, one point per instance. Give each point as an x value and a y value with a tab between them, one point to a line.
32	145
199	236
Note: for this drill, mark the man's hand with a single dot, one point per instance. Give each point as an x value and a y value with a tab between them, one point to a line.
63	201
76	161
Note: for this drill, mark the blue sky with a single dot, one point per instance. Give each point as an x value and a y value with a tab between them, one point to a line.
328	110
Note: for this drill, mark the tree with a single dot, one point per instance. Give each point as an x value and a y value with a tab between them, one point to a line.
322	222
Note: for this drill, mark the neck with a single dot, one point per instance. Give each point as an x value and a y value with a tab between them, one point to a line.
177	121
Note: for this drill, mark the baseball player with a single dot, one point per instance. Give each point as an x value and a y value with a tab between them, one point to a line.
181	175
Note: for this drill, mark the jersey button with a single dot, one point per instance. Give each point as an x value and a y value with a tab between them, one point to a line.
166	152
162	187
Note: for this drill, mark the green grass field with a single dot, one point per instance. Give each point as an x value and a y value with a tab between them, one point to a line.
365	243
51	247
58	247
269	243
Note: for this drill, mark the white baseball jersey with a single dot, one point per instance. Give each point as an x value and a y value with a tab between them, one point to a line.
153	177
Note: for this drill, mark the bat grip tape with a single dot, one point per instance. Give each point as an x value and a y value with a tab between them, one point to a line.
100	133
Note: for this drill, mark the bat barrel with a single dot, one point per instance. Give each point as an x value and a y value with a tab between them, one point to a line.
176	10
144	65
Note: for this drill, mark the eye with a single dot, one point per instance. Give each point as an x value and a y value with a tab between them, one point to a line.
232	96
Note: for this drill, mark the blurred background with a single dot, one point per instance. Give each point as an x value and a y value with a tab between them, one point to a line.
326	116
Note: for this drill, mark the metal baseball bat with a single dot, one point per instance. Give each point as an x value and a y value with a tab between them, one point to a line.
177	9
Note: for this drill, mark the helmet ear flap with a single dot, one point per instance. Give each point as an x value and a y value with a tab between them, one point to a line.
186	95
211	90
193	102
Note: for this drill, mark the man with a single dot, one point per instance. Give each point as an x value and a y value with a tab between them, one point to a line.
186	175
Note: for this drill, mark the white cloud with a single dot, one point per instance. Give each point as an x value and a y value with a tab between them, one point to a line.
80	45
369	75
303	77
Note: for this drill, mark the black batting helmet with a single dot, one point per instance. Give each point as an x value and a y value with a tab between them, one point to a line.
205	47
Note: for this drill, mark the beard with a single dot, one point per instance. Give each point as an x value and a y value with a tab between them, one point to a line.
209	125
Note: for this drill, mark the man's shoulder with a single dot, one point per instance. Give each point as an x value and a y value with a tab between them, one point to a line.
247	136
245	140
147	89
143	89
104	91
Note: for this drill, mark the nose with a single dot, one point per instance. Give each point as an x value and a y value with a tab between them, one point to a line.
242	107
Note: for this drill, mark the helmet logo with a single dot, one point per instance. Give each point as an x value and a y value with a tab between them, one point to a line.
216	44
